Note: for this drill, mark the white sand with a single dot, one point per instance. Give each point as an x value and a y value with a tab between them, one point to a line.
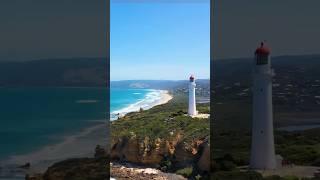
73	146
164	98
80	145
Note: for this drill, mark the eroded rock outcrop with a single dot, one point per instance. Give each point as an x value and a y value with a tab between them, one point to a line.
152	152
145	151
75	169
204	160
124	172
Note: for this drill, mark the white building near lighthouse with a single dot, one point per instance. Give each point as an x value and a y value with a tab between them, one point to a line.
262	142
192	110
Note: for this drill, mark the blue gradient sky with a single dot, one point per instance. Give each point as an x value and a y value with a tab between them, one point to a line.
290	27
37	29
166	41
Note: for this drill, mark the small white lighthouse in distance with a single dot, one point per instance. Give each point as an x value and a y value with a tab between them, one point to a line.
192	111
262	142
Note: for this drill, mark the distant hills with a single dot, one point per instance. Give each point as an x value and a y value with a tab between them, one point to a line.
54	72
295	89
91	72
156	84
240	70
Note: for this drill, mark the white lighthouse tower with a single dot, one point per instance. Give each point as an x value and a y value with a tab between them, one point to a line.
192	111
262	142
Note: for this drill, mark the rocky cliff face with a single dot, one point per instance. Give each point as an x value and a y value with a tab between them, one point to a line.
204	160
164	137
75	169
152	152
96	168
128	171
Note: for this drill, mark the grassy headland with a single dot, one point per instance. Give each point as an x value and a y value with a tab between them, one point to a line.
162	135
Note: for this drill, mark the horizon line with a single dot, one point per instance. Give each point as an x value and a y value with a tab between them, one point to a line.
279	55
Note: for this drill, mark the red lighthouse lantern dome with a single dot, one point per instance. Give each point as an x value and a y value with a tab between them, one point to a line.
262	55
191	78
262	50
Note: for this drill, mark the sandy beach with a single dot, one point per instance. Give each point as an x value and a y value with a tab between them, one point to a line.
122	171
164	97
78	145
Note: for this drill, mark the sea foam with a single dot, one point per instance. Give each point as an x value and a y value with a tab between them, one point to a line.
151	99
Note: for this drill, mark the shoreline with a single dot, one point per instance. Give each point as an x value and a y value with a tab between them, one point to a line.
163	98
118	170
74	145
81	144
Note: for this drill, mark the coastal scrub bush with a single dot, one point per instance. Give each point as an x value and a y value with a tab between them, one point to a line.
185	172
300	154
166	164
167	123
204	108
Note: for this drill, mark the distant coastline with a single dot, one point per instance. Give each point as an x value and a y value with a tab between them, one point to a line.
153	98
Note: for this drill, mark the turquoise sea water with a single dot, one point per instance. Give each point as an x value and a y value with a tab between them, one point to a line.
128	100
121	98
31	118
34	117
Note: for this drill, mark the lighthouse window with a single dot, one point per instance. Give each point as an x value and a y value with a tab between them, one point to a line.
262	59
261	132
261	90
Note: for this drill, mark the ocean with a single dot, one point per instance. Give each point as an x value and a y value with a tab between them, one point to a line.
59	123
129	100
31	118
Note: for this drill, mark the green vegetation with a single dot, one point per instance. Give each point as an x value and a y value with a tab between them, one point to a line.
232	139
299	147
186	172
78	169
294	104
166	122
163	121
166	164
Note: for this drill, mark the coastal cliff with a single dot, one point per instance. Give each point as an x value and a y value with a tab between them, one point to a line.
163	137
95	168
152	153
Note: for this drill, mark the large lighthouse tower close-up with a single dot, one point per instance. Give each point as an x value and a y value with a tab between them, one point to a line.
262	142
192	111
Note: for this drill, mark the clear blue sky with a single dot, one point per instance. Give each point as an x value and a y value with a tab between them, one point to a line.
290	27
166	41
37	29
